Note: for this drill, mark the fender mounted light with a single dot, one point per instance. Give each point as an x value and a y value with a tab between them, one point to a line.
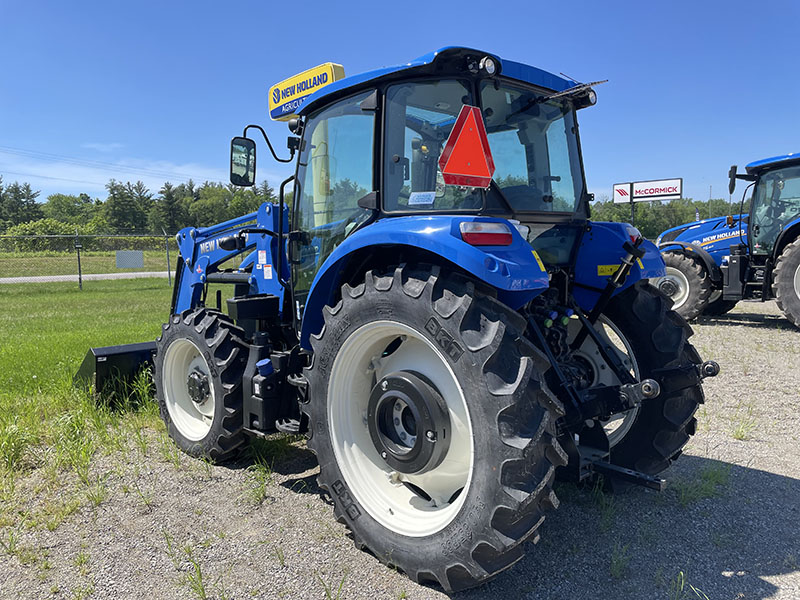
477	233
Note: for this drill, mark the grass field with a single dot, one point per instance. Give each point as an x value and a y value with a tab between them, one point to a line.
23	264
46	425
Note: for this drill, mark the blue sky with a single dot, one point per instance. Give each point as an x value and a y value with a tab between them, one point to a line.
155	90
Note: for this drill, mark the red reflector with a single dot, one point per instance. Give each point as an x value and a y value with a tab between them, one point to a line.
466	157
487	239
477	233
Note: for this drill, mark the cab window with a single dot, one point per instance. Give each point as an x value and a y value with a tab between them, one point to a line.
335	171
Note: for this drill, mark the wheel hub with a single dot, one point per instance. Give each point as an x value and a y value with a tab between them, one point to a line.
408	422
668	287
198	387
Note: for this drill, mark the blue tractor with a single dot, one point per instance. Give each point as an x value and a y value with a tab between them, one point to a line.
713	264
451	334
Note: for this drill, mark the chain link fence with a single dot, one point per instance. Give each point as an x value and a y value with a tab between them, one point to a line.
79	258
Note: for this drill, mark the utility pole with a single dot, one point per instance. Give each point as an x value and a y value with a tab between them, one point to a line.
709	202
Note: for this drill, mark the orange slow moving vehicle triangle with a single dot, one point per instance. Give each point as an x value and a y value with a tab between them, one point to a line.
466	158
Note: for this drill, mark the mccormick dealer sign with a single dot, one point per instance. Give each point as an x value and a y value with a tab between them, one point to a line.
641	191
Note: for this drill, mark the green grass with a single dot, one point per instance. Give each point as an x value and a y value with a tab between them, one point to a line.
45	423
22	264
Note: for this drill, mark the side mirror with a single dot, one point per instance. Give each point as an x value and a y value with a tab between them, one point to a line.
243	162
732	179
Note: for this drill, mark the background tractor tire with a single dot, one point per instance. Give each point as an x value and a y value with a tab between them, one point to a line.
717	306
199	362
465	519
686	284
659	339
786	278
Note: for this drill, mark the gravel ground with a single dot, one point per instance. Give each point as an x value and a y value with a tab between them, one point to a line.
728	526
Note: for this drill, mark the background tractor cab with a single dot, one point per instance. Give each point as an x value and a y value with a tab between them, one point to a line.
714	263
435	311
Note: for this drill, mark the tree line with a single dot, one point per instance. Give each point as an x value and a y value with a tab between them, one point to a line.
652	218
132	208
129	208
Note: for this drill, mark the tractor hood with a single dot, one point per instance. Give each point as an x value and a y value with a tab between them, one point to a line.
702	233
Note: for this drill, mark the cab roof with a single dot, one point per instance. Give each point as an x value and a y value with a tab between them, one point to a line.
431	63
766	164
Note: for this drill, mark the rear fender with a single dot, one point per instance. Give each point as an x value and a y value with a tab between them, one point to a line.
514	271
598	256
708	261
790	232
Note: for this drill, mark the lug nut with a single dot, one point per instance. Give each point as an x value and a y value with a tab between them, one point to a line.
710	368
430	435
384	455
384	385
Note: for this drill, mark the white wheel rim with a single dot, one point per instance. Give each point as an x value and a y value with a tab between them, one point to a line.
797	282
193	420
379	489
618	426
680	282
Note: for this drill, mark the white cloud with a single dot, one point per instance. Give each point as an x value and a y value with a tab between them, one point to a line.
103	147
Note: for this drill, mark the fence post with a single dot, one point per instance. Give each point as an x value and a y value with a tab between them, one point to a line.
78	247
166	245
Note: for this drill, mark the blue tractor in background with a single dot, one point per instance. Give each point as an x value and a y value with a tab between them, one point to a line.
714	263
450	333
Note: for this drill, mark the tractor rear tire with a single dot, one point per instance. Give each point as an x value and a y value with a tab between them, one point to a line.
463	517
659	339
686	283
786	278
199	362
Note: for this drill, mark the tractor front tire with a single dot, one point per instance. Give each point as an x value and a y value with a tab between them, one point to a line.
199	362
686	283
717	307
786	278
433	428
658	337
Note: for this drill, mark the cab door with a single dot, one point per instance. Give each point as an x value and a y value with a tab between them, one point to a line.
336	169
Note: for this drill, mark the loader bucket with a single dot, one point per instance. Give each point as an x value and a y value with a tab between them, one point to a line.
113	368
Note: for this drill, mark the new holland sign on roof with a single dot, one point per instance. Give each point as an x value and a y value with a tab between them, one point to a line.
648	191
286	97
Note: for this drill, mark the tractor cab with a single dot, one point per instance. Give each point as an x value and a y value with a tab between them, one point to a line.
775	203
382	145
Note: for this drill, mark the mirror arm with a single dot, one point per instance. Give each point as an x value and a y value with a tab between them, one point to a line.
271	149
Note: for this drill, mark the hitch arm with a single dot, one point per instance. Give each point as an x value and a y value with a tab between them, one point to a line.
617	280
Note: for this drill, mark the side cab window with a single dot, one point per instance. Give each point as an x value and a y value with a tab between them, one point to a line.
335	171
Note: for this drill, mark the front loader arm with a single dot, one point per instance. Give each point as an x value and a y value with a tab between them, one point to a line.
202	257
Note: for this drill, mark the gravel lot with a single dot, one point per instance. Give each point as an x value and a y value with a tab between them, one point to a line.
728	526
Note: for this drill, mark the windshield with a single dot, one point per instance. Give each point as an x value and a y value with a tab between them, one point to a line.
534	147
776	201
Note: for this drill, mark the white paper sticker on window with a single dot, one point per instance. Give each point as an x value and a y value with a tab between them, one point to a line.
262	257
418	198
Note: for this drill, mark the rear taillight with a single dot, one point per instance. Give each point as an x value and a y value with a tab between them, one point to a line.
478	233
633	233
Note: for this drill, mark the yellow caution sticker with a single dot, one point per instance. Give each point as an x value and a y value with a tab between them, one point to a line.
606	270
641	264
286	97
538	260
